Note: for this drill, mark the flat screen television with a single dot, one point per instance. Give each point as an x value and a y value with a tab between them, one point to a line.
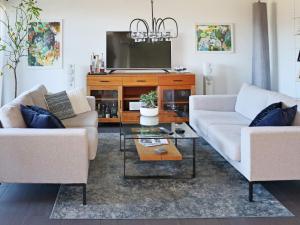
123	53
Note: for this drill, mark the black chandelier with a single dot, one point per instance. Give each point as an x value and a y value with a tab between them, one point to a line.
158	31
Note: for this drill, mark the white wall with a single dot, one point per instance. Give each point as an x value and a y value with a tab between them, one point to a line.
281	19
85	24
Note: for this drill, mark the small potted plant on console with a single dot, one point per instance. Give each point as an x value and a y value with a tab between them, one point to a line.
149	109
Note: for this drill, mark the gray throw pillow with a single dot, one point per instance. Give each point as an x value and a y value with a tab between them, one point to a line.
60	105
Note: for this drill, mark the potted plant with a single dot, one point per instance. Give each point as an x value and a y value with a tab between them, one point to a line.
149	104
15	43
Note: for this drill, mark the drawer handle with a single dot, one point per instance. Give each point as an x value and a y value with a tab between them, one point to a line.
141	81
178	80
104	81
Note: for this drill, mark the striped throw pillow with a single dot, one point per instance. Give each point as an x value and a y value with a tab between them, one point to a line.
60	105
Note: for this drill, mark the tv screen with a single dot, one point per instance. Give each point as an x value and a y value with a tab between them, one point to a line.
123	53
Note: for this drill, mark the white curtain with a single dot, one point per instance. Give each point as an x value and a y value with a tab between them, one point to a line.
1	56
261	57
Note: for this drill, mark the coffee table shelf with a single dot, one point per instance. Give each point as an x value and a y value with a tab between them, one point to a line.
136	132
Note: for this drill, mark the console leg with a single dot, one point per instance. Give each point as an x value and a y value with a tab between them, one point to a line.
84	194
251	191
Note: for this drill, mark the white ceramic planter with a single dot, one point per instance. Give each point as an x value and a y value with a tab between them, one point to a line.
149	120
149	111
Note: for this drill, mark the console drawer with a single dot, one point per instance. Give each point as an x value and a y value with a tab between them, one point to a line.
109	81
142	80
176	80
131	117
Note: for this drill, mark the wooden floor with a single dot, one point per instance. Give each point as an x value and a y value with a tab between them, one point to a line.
32	205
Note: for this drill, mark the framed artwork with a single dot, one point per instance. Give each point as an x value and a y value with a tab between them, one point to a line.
214	38
45	44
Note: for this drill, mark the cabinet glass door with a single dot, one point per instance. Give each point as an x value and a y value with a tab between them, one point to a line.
176	101
107	104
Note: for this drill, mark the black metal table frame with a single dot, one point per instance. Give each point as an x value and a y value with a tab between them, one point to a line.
124	150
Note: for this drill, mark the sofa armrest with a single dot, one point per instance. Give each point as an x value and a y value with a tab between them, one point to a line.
225	103
43	156
271	153
92	102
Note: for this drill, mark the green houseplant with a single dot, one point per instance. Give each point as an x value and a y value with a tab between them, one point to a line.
149	104
15	43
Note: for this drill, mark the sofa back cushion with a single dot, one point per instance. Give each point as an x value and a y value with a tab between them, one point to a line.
287	102
10	114
11	117
37	94
251	101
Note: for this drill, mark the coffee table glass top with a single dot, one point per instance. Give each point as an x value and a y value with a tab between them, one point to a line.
136	131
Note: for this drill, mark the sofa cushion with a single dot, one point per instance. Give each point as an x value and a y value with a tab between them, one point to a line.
287	102
10	114
279	117
227	140
251	101
264	113
88	119
37	94
60	105
79	101
38	119
11	117
23	99
206	119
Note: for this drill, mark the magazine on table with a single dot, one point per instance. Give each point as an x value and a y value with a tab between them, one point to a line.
152	141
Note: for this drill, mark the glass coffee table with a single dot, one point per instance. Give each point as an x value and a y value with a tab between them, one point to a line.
147	141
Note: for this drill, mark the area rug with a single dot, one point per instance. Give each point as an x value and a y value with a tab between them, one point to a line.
218	191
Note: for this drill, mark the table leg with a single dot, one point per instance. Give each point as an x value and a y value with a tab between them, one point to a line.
194	158
124	150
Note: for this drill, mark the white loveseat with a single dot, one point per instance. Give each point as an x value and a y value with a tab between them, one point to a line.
51	156
258	153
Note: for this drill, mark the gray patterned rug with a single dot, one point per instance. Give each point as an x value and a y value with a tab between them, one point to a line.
218	191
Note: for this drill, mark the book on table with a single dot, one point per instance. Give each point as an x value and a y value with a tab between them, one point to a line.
152	141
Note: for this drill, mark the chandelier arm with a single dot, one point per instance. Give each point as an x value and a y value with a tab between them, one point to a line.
172	19
152	14
158	21
138	21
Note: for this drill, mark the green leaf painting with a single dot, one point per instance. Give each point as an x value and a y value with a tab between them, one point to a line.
45	44
214	38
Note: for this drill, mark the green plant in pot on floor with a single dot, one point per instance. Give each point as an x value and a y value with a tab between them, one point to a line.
15	43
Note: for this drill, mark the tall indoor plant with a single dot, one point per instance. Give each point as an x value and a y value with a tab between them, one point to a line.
15	43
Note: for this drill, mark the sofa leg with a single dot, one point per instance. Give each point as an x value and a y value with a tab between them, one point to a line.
84	194
251	191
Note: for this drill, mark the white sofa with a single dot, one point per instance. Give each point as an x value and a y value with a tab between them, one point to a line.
51	156
258	153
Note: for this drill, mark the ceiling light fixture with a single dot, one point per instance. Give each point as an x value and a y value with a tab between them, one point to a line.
157	32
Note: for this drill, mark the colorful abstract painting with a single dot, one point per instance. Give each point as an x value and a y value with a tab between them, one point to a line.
45	45
214	38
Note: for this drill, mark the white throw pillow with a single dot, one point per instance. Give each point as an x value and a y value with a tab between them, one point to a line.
79	101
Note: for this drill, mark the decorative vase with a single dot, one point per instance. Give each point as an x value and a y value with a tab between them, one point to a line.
149	120
152	112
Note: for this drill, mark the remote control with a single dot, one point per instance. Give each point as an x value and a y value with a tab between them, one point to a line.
161	150
165	131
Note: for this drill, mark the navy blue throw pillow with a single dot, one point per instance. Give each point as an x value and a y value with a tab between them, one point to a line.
264	113
39	118
279	117
46	112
